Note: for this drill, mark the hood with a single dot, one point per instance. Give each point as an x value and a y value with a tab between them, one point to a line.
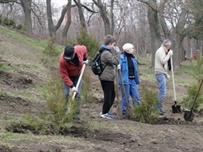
104	47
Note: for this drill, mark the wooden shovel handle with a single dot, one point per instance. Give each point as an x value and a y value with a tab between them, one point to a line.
173	79
126	99
80	78
197	94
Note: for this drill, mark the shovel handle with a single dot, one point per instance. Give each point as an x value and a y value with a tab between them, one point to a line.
197	94
120	74
78	83
174	89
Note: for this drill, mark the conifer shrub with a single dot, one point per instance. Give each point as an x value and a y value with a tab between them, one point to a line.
146	112
50	53
58	116
86	88
193	87
191	92
89	41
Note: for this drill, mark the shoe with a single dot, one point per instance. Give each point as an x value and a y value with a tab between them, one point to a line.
162	111
106	115
112	116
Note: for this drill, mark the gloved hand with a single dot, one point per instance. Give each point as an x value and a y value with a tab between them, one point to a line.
116	48
74	89
170	52
85	62
167	76
118	66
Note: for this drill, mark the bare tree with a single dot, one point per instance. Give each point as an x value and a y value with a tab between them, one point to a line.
53	28
108	22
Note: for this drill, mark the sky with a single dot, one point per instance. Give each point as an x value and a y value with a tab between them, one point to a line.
60	3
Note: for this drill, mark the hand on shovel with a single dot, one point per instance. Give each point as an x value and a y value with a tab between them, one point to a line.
74	89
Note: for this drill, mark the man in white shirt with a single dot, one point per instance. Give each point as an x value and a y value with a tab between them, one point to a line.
162	57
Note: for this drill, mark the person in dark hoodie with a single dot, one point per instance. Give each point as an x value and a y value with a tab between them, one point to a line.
70	65
130	76
109	59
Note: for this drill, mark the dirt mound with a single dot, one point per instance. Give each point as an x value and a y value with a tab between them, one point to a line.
17	80
17	106
7	149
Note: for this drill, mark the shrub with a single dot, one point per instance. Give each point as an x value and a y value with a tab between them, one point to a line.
89	41
1	18
86	88
146	112
191	92
192	89
50	53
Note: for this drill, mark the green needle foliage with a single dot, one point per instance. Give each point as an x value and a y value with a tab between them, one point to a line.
192	89
145	112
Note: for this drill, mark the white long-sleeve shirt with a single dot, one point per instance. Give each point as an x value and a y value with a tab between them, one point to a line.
161	59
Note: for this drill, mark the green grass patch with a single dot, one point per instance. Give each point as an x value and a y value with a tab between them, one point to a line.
5	68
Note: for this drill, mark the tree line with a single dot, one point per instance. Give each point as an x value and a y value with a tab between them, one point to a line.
145	23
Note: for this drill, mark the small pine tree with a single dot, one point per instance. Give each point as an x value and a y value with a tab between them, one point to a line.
89	41
192	88
146	112
50	53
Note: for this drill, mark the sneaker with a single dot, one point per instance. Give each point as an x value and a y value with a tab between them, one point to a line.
162	111
106	115
112	116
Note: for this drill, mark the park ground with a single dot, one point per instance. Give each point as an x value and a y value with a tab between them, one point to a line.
21	82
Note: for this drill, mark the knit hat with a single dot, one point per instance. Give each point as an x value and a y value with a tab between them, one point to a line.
127	46
68	52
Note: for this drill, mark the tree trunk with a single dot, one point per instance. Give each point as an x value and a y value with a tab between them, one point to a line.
154	31
26	4
68	23
104	16
52	28
81	15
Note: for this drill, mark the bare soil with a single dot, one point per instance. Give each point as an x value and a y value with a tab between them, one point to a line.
170	133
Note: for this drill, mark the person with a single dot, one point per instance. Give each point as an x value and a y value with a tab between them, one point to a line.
162	56
70	64
130	77
109	59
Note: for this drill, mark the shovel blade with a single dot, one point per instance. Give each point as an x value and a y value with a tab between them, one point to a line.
176	108
189	115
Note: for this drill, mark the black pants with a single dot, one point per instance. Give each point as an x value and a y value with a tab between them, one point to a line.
109	95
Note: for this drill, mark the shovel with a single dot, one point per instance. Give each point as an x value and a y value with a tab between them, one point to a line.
128	112
189	115
175	108
79	79
119	111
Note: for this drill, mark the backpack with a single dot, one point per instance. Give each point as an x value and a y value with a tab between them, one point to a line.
96	65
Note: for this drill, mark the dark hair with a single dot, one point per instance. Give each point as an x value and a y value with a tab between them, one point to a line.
109	39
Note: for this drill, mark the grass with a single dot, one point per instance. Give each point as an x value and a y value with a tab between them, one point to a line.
34	94
5	68
19	37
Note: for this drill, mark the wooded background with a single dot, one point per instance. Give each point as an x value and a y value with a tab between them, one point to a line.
144	23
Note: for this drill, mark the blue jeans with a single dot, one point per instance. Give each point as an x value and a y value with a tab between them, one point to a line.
131	90
161	79
66	90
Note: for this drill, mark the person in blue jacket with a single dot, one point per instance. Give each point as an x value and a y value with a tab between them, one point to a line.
130	76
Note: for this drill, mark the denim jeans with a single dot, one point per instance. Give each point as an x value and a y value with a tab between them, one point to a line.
131	89
161	79
66	90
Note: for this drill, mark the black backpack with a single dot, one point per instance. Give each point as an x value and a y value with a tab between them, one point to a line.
96	65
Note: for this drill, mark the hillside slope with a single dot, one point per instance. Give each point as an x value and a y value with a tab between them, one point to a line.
21	80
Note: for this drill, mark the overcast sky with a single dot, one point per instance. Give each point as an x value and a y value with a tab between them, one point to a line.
60	3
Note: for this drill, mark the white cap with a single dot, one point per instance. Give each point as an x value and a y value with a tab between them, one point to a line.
127	46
